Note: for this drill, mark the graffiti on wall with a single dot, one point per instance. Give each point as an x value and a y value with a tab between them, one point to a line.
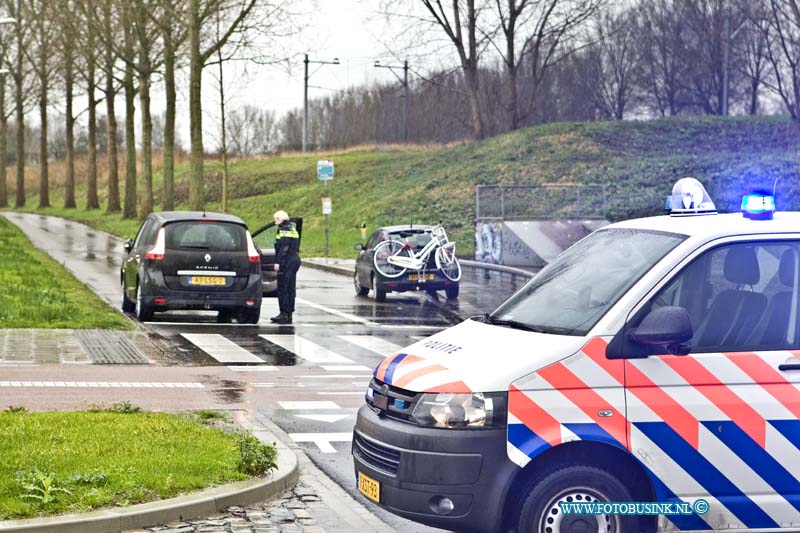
489	242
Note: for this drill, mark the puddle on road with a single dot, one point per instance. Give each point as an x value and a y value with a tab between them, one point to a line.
226	390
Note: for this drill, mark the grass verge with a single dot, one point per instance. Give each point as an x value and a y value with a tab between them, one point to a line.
57	462
37	292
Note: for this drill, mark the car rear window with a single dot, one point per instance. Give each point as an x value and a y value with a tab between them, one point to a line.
418	239
210	236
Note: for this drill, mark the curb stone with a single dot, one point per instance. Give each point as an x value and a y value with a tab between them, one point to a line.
199	504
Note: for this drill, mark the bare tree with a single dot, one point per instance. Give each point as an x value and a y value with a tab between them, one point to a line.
128	84
20	75
784	53
459	21
752	47
109	35
233	13
663	45
615	62
66	23
39	14
535	31
6	39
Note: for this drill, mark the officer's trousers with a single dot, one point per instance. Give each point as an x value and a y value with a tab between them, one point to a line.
287	280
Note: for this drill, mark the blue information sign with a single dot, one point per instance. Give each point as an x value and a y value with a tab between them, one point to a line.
325	169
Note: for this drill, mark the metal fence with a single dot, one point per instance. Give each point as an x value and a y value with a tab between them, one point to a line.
543	202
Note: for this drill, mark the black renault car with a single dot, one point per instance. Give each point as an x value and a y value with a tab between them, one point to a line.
431	279
192	260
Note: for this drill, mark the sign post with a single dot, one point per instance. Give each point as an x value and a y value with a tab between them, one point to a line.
325	174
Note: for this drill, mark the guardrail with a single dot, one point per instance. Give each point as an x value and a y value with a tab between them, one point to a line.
497	268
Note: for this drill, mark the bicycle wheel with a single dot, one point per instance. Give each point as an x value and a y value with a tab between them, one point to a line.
381	259
447	262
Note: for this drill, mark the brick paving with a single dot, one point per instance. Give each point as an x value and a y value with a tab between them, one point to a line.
63	346
296	511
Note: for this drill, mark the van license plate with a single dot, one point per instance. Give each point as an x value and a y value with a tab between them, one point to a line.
206	280
420	277
369	487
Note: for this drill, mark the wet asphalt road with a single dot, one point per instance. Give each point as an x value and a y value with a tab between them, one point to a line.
308	378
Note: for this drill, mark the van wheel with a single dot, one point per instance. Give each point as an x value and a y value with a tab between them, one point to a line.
249	316
540	510
144	312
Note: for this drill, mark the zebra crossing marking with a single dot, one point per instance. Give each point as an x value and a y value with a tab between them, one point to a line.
304	348
221	348
374	344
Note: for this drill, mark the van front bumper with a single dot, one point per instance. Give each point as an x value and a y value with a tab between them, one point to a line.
418	467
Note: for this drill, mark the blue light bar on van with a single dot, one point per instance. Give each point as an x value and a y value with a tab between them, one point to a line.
758	206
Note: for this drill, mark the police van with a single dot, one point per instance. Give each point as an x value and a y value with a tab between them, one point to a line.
647	379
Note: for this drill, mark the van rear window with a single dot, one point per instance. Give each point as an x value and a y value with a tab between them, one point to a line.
208	236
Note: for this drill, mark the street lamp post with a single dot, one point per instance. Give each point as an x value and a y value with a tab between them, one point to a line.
404	81
306	75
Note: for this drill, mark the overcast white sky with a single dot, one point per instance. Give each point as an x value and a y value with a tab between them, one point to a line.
348	29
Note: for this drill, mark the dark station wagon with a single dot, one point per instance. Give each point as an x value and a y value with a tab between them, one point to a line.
193	260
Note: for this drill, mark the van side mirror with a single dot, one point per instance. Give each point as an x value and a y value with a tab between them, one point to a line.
128	245
358	247
667	326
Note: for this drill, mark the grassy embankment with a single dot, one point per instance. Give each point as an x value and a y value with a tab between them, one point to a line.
37	292
637	162
76	461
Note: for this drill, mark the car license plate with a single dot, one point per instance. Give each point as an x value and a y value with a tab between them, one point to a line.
420	277
369	487
206	280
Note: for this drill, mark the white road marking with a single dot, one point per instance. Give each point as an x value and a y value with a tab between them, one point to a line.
311	352
348	393
294	406
346	368
322	440
221	348
374	344
330	419
103	384
253	368
277	385
348	316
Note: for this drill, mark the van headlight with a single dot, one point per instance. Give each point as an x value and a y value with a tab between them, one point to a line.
477	410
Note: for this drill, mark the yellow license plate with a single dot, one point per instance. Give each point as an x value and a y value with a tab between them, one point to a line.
369	487
418	277
206	280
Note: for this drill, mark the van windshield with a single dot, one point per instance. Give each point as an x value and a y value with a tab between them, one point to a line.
571	294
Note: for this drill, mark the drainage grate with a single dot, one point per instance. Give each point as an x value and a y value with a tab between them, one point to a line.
109	348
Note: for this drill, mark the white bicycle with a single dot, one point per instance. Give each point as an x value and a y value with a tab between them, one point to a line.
392	258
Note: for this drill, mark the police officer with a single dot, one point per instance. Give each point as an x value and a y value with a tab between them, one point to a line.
287	262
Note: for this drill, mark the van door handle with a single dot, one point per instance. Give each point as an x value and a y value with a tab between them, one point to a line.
789	366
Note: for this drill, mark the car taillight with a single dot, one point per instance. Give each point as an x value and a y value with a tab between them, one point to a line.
252	253
157	252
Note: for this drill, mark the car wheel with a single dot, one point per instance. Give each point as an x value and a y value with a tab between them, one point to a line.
249	315
540	510
144	312
452	292
225	316
380	293
360	291
128	306
433	293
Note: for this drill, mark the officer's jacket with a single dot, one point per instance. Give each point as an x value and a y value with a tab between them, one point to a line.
287	242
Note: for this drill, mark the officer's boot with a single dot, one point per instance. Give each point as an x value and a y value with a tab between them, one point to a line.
277	318
284	318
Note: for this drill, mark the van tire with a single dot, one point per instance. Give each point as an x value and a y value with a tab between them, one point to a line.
581	483
451	292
